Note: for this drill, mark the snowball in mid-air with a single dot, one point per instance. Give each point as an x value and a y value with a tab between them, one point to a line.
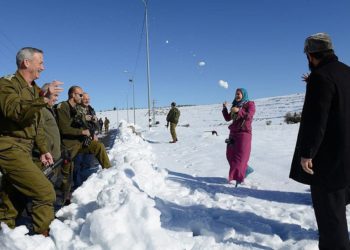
223	84
201	63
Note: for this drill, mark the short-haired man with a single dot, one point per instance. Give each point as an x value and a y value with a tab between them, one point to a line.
20	115
74	134
322	154
90	114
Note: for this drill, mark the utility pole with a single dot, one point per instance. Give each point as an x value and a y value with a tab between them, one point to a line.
127	108
148	66
154	112
133	98
118	116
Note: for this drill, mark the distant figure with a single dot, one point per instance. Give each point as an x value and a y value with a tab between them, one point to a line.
322	154
100	125
240	138
106	123
173	119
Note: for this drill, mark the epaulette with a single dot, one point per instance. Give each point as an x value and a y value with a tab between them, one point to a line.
9	77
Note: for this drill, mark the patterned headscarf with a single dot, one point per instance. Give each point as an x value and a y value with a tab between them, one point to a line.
245	98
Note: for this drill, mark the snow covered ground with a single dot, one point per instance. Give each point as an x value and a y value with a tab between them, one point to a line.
175	196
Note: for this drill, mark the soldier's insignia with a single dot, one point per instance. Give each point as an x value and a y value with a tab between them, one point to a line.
9	77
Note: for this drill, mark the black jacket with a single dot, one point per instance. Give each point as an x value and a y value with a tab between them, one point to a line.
324	133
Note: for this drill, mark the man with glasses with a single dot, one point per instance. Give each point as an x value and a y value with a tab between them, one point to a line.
76	137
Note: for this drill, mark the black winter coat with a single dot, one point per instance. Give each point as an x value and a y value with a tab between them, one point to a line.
324	133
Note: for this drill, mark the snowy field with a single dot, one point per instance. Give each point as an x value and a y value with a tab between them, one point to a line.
176	196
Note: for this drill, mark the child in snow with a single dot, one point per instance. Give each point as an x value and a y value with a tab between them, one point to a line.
240	138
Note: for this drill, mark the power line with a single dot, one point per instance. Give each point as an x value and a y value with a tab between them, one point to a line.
7	51
139	48
4	61
14	46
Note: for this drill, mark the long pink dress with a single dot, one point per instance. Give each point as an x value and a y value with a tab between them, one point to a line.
238	152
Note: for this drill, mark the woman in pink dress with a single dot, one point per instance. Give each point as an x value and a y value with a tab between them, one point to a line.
240	138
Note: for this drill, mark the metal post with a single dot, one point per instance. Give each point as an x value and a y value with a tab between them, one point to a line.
118	116
133	98
154	113
127	108
148	66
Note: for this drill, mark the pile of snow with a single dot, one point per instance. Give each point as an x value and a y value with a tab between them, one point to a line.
110	210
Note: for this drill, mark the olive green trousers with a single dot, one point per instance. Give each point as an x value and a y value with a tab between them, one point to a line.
96	148
173	131
23	179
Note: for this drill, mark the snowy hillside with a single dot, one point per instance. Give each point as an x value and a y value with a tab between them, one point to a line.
276	107
176	196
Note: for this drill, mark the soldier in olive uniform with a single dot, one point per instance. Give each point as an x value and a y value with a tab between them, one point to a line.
20	115
100	125
51	133
75	137
106	123
86	164
89	113
173	119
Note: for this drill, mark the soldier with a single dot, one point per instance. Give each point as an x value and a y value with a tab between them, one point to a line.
85	164
90	114
106	123
100	125
173	119
76	137
20	112
51	133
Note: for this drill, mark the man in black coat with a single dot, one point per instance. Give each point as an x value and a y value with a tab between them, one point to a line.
322	154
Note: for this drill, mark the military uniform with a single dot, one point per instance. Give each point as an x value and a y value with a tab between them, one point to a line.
100	125
173	118
20	115
50	134
93	124
71	124
85	164
106	123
